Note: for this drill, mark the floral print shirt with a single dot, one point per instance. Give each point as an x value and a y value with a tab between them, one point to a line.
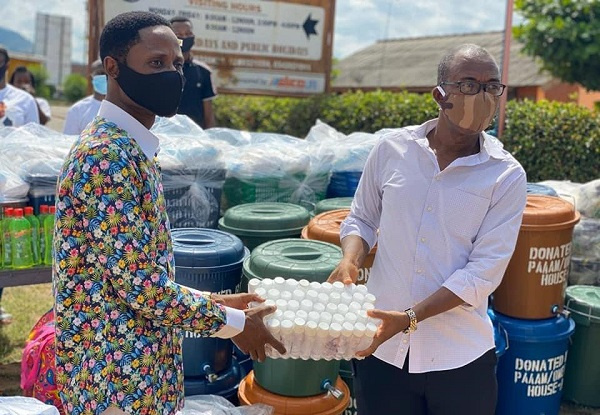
118	310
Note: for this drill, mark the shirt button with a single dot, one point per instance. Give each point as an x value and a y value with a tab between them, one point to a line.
401	350
419	271
429	208
437	178
423	240
405	341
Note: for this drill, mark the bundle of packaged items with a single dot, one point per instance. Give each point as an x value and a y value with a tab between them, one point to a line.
317	320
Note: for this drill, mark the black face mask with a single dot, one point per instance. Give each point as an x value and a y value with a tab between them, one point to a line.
187	43
3	71
159	93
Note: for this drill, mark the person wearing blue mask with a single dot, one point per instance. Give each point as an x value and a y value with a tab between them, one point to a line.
84	110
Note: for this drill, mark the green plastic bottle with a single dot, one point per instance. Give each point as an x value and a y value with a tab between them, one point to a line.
49	235
20	241
6	253
41	217
35	235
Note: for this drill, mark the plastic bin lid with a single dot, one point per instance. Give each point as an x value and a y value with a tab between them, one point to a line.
201	248
584	300
273	219
293	258
326	226
549	210
535	331
333	204
540	189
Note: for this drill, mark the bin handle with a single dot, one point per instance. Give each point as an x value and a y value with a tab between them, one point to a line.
501	327
589	315
568	196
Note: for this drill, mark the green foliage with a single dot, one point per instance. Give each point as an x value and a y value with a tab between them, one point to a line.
349	112
554	141
564	34
75	87
40	74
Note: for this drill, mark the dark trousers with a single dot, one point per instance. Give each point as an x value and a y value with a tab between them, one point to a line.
383	389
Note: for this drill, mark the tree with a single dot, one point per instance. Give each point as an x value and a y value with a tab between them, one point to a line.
42	89
565	35
75	87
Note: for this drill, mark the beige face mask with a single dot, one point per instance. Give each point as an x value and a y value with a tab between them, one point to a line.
471	112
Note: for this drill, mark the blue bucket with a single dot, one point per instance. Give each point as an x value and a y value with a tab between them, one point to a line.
207	260
540	189
531	372
343	184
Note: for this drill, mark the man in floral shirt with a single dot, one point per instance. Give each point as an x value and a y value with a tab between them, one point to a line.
118	310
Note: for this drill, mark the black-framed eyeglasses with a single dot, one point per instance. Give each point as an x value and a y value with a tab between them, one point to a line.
473	87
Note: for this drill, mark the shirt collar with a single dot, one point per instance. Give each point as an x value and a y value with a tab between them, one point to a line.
147	141
489	146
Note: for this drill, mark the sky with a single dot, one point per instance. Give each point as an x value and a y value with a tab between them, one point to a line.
358	23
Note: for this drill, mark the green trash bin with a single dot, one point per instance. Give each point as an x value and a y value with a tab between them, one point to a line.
298	259
582	375
257	223
334	203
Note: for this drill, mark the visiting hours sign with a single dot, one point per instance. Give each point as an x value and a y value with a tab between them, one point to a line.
254	46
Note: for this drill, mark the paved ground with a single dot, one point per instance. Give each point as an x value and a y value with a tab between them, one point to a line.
57	122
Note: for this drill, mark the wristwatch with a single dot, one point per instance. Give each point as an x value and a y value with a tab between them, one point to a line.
413	321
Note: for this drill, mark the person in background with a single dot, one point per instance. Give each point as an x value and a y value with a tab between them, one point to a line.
444	202
83	111
199	90
119	312
22	78
17	108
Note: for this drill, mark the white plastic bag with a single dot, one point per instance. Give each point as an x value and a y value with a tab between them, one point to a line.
19	405
217	405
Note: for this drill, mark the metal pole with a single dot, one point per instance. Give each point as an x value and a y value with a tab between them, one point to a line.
505	64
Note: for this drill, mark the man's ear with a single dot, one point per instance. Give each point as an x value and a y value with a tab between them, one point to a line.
439	95
111	67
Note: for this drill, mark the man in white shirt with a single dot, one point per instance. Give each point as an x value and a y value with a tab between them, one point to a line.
17	107
444	203
83	111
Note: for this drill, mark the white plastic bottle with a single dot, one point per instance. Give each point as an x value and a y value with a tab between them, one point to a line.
346	298
293	305
302	314
273	294
326	288
297	338
338	287
320	341
312	295
331	308
325	317
281	305
286	295
306	305
314	316
303	285
343	309
298	295
331	347
266	283
274	326
291	284
335	298
279	283
345	340
287	330
310	334
357	335
253	284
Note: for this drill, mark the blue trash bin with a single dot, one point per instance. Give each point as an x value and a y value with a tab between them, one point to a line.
531	372
343	183
208	260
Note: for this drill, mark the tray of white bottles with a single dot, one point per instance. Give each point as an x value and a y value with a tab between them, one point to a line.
317	320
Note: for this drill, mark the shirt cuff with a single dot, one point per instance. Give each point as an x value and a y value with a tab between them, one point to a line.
236	320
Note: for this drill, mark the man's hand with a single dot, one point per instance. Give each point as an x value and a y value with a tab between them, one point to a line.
239	301
392	323
345	272
255	336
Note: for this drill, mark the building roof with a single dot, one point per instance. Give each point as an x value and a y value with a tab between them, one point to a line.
411	63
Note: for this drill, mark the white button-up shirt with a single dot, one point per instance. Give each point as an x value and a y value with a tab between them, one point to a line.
455	228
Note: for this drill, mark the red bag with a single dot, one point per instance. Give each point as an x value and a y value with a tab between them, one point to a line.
38	367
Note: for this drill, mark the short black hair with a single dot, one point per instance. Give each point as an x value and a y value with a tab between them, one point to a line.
123	31
181	19
467	50
21	69
5	53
